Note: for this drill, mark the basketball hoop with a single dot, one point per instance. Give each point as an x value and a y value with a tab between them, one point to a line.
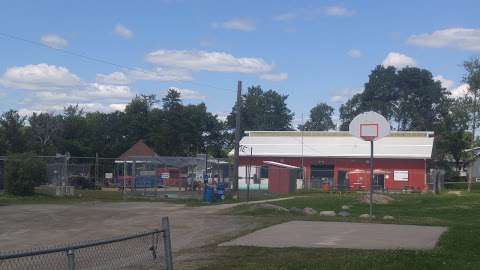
370	126
369	132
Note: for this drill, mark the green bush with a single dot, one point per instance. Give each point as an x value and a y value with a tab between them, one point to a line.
22	173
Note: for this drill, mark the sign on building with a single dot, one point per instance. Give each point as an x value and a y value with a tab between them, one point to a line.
108	175
147	173
400	175
165	175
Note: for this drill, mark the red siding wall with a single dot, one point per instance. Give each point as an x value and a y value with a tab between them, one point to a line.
278	180
416	169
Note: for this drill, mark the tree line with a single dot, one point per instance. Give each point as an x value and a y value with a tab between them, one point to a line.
409	98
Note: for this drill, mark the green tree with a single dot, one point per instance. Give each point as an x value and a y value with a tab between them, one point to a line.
320	118
186	130
109	132
349	110
409	98
472	78
263	111
45	132
175	129
22	173
419	99
13	132
75	138
381	92
451	134
137	115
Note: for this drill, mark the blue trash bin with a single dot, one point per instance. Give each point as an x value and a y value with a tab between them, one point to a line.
220	192
208	194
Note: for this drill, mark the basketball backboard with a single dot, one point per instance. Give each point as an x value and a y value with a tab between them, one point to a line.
369	126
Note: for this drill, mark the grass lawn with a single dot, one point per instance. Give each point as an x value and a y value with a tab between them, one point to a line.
459	247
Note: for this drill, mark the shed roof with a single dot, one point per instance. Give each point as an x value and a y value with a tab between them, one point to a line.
399	144
139	149
281	165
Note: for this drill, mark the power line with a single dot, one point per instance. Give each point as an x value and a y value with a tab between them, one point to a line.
98	60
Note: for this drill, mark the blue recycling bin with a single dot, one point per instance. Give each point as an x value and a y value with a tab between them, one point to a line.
220	194
208	194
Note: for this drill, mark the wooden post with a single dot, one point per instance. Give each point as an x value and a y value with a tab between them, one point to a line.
237	137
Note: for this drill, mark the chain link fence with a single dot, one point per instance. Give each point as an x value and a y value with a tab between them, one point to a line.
147	250
169	176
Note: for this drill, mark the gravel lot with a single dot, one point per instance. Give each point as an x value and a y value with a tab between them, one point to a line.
29	226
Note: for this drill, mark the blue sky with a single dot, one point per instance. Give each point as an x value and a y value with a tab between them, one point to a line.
314	51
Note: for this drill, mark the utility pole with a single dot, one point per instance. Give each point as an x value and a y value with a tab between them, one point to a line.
237	137
301	161
470	175
96	170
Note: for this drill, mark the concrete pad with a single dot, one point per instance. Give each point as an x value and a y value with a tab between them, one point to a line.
313	234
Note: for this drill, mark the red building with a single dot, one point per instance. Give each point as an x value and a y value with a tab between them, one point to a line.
338	160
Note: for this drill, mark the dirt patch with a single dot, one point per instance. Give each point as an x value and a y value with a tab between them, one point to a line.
29	226
377	199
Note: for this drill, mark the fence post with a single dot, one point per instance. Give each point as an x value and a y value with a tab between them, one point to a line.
167	243
71	259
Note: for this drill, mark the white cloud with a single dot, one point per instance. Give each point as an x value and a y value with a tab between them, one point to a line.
54	41
313	12
160	74
208	61
341	96
240	24
40	76
118	78
157	74
355	53
337	99
123	31
455	91
53	88
274	77
97	90
460	91
446	83
186	93
222	115
338	11
118	106
285	17
458	38
398	60
91	97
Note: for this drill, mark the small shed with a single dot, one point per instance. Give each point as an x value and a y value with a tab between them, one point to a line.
282	178
136	167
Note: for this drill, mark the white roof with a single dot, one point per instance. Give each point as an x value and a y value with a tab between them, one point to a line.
399	144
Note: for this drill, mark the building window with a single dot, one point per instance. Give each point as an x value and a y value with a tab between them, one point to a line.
264	172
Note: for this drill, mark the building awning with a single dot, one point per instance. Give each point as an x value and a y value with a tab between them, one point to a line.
281	165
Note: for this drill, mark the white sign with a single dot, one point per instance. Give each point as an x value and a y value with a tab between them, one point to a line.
108	175
147	173
165	175
369	126
400	175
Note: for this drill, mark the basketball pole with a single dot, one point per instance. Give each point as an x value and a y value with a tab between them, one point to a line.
371	179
